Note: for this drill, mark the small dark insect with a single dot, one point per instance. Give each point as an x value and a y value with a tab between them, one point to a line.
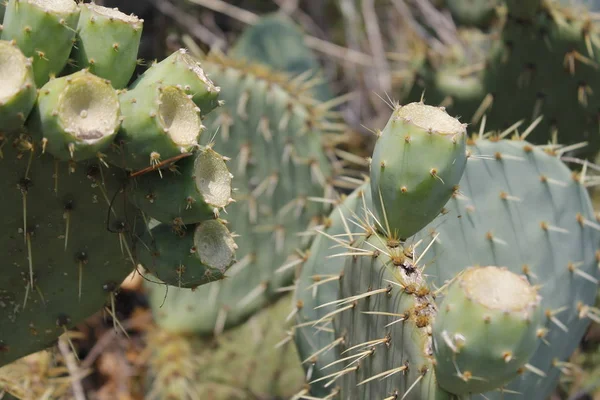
408	266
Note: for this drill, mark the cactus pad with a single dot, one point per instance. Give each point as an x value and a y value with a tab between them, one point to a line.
66	247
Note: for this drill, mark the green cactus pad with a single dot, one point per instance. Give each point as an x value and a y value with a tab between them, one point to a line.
418	160
43	30
318	284
76	117
486	330
185	71
107	43
159	123
191	191
63	252
520	207
17	88
188	256
384	315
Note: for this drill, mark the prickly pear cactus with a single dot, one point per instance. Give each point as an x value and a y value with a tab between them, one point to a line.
543	62
520	213
545	218
72	232
273	128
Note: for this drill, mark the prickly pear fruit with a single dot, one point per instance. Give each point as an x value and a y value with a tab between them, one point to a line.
107	43
195	190
188	256
159	123
418	160
43	30
76	117
185	71
488	321
18	90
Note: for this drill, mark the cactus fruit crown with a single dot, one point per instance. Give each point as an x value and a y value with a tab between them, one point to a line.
14	67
